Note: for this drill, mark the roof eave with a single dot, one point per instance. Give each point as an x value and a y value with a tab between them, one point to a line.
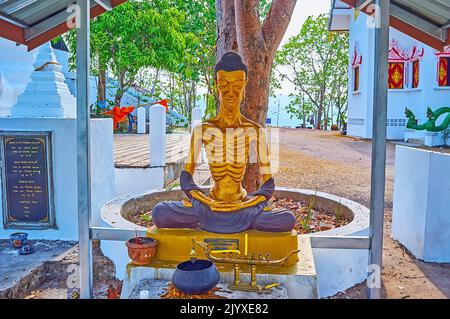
13	32
408	28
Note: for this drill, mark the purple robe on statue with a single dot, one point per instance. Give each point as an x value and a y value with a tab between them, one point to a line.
173	214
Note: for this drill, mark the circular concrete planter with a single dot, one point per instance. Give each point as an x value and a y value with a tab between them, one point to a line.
115	213
337	269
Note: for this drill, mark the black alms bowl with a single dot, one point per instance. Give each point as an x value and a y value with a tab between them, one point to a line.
195	278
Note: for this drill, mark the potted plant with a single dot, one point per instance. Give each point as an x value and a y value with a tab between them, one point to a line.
141	250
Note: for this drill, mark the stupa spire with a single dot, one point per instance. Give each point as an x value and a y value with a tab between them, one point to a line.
47	95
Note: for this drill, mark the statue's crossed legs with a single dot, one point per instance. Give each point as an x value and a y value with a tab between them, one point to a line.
174	214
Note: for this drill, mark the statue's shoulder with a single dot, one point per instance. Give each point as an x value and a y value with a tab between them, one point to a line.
250	124
211	123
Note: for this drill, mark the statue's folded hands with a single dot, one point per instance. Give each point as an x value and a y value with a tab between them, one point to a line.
227	207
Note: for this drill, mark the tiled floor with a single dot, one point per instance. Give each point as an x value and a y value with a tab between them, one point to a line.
132	150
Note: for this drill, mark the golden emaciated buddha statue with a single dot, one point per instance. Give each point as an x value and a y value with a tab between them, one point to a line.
230	141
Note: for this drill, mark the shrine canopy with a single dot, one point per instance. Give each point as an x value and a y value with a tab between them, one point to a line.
427	21
34	22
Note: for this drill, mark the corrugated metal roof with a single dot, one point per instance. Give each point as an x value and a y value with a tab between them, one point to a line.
435	11
33	22
426	20
31	12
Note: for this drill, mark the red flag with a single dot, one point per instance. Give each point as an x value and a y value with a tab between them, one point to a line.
164	103
119	114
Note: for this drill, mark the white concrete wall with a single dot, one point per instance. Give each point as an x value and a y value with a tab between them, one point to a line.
138	180
421	215
340	269
360	109
102	166
65	171
437	230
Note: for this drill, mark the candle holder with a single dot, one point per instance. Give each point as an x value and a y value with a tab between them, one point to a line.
237	260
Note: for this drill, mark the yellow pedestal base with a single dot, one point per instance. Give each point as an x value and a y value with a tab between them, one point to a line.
175	245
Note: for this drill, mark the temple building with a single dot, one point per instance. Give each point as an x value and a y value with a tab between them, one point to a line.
419	76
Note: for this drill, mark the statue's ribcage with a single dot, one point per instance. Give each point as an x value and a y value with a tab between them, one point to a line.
229	156
235	150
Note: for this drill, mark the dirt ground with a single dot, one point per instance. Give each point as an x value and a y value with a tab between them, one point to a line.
329	162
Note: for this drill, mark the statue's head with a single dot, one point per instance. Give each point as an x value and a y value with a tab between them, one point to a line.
231	78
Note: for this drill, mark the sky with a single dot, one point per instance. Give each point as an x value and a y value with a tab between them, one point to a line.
303	9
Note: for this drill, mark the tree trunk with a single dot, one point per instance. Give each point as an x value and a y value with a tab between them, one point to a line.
152	90
327	117
338	120
320	112
332	115
226	27
257	44
120	90
239	29
101	85
226	31
118	98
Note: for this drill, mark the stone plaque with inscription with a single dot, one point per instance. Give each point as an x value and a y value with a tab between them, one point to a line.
27	180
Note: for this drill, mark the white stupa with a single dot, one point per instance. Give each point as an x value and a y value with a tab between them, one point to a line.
16	64
47	95
7	96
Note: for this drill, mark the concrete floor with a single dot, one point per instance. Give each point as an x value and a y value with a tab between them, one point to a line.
26	269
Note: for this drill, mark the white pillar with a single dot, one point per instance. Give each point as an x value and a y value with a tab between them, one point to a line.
83	152
196	117
141	120
378	173
157	135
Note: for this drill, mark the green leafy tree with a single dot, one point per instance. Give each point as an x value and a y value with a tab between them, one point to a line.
299	108
316	63
199	69
138	35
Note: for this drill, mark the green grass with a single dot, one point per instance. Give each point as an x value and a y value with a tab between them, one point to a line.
339	212
309	212
146	218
